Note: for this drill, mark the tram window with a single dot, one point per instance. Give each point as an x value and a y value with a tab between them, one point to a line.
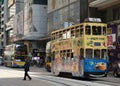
104	30
57	35
64	57
53	37
104	52
73	33
96	30
60	35
81	53
97	54
77	32
81	32
68	56
71	55
53	56
89	53
87	30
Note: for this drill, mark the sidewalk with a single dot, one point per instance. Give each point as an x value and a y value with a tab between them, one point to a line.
13	77
39	70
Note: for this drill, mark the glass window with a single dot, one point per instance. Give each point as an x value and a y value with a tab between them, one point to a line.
97	54
104	54
96	30
104	30
48	59
57	35
81	53
72	55
20	58
81	32
53	36
60	35
72	32
87	30
42	2
89	53
77	32
53	56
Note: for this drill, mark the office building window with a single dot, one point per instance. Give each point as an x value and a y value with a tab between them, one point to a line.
42	2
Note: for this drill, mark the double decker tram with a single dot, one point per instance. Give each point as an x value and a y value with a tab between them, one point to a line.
80	49
15	55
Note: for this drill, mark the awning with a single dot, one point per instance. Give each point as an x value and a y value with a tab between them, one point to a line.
102	4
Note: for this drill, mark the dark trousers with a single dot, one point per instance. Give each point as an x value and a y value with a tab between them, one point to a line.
26	74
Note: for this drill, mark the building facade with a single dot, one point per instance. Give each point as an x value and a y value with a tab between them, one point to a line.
1	26
64	13
33	27
35	24
14	7
109	11
25	22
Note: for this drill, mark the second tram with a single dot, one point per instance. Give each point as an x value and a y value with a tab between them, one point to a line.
15	55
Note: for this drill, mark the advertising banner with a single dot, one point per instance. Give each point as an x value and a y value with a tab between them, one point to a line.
35	20
110	40
28	17
10	2
18	25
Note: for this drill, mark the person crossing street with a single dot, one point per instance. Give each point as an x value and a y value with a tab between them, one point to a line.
26	69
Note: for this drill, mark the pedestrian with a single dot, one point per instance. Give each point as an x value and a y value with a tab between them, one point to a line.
26	69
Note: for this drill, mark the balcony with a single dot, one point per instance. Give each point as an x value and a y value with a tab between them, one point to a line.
103	4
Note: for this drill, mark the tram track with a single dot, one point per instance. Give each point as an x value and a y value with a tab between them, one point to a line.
109	82
55	82
61	83
103	80
69	82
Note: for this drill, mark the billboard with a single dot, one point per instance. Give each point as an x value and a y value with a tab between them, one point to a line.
10	3
111	39
28	18
18	25
35	20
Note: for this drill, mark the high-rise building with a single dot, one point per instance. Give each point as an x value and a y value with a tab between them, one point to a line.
13	7
2	25
26	22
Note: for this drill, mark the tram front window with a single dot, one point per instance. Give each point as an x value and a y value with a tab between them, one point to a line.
104	31
97	54
89	53
104	52
96	30
20	58
87	30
